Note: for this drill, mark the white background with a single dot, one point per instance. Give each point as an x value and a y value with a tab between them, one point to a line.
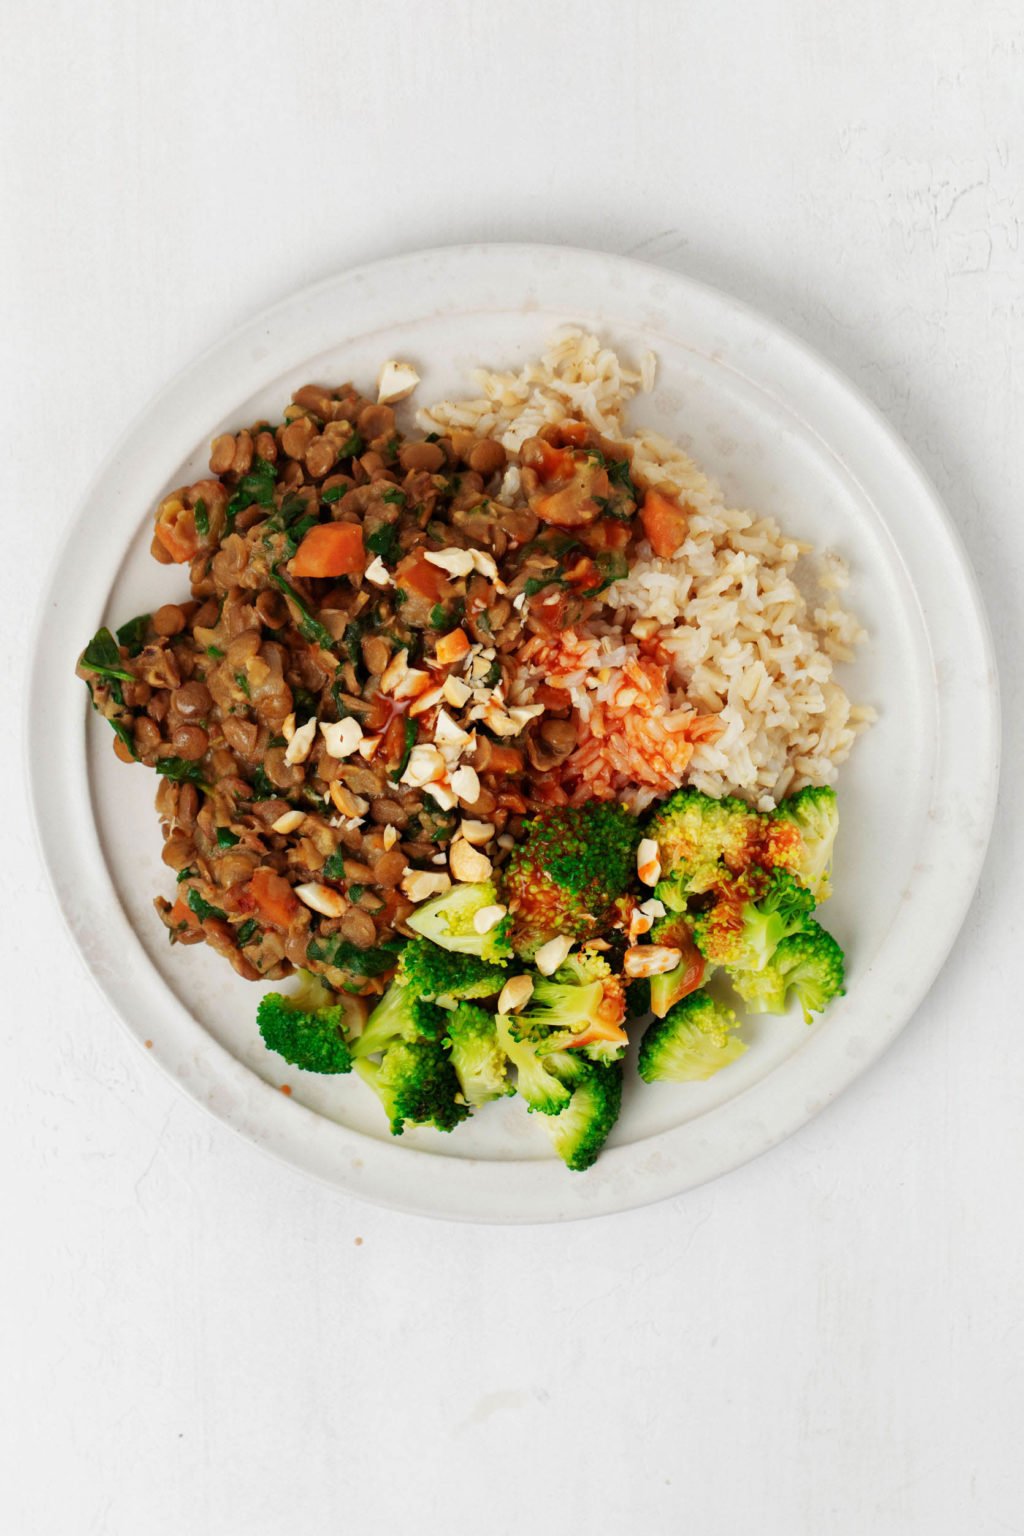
194	1339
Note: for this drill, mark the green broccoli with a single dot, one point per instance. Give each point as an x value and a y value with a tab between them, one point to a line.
416	1083
581	1007
307	1027
749	916
536	1081
638	997
691	1043
582	1128
432	972
698	835
809	963
448	920
479	1061
400	1015
566	873
815	813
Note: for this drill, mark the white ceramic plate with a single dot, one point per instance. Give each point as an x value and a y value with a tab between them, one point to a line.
784	434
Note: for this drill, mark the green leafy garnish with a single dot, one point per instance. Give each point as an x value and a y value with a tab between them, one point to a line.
411	732
334	865
346	956
245	931
353	447
310	627
383	541
180	769
257	487
262	789
612	565
334	493
203	908
620	477
242	683
133	634
355	891
394	495
226	838
216	652
122	729
202	517
187	873
102	656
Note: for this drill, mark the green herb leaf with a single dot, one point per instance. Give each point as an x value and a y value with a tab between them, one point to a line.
242	683
262	789
226	838
102	656
216	652
613	566
346	956
394	495
411	732
178	768
186	873
255	487
334	866
203	908
123	730
245	931
334	493
133	634
620	477
202	518
355	891
353	447
310	627
383	541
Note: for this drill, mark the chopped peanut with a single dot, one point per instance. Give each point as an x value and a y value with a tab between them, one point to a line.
651	960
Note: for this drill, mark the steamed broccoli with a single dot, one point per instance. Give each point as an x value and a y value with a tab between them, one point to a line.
691	1043
307	1027
448	920
815	814
809	963
536	1080
432	972
568	870
400	1015
699	839
416	1083
581	1007
479	1061
749	915
582	1128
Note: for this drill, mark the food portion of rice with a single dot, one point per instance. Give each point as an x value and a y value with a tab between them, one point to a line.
722	629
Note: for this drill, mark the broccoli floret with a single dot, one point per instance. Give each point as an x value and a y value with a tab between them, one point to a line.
696	835
432	972
581	1007
416	1083
400	1015
479	1061
582	1128
749	916
448	920
307	1027
568	870
691	1043
638	997
814	813
536	1081
809	963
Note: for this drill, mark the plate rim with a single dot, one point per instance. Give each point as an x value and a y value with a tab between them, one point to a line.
270	1122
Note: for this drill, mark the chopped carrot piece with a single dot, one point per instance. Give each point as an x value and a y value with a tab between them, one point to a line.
179	538
597	1030
415	574
181	913
665	523
504	760
276	901
452	647
330	549
553	463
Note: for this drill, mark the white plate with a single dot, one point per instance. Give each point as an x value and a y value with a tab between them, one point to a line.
784	434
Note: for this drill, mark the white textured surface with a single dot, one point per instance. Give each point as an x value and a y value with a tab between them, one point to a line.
828	1340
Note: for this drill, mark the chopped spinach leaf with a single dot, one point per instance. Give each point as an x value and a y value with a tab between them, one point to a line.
355	891
178	768
262	789
383	541
353	448
123	730
186	873
620	477
216	652
242	683
202	518
411	732
334	493
102	656
346	956
202	908
334	865
245	931
226	838
395	495
133	634
310	627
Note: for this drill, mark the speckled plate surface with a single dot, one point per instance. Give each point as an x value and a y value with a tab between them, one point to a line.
783	433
